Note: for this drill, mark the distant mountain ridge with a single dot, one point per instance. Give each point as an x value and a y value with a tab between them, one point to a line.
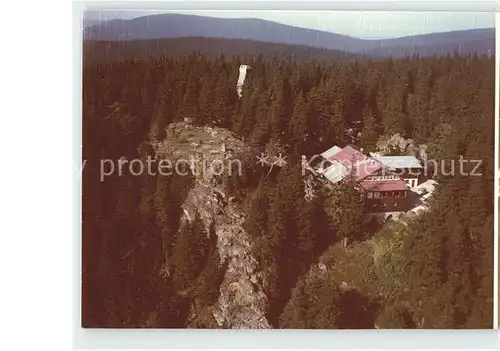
163	26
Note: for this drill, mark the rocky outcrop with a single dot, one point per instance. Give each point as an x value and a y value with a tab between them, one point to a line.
242	302
397	145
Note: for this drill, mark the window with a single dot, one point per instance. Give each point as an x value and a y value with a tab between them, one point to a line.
376	195
369	195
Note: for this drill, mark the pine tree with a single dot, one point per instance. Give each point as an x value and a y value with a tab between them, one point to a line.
189	255
262	129
459	271
162	114
391	317
296	314
299	125
278	111
345	208
370	132
220	106
189	107
419	106
314	304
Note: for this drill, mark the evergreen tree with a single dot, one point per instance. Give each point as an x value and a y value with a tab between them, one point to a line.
391	317
313	305
189	255
189	107
345	208
369	133
299	125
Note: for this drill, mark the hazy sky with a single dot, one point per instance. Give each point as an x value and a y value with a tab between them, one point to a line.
357	24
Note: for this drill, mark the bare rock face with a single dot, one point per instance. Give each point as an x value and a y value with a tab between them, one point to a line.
242	302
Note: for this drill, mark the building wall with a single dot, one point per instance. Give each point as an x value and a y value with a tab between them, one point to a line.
411	176
412	182
389	204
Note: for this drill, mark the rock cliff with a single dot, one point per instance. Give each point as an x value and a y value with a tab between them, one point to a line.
213	155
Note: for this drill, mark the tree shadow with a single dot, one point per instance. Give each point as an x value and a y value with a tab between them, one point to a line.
358	311
368	230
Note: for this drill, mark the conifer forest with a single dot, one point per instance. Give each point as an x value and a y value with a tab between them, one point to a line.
254	248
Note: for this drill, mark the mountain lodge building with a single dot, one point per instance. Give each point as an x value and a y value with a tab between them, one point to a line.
383	182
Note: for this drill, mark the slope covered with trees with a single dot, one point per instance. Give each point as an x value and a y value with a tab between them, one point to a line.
436	272
111	51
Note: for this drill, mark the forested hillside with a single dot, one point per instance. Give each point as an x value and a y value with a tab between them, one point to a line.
109	51
434	272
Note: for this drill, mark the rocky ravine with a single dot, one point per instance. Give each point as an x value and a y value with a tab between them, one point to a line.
242	301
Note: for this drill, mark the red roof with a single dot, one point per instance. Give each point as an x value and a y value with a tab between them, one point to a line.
364	165
384	185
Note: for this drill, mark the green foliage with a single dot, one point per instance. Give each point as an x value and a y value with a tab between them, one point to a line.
189	255
300	127
438	269
207	286
344	206
369	134
392	317
313	305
